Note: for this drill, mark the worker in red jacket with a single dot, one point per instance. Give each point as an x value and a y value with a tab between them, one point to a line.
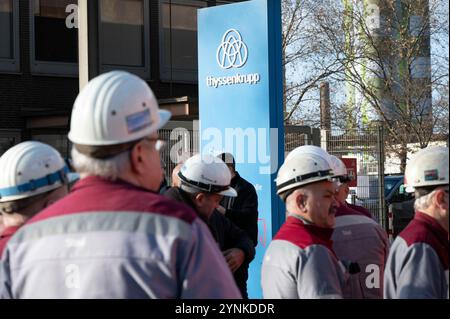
300	262
417	267
359	239
33	176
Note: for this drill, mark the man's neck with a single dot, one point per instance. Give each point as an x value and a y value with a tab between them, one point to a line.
434	213
342	202
13	220
302	218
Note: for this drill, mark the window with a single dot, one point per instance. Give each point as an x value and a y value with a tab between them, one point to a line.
8	138
179	40
400	195
9	36
54	44
125	36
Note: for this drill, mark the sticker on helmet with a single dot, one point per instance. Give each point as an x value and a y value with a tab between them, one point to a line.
139	121
432	175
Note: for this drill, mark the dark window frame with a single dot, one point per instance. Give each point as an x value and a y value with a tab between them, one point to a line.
13	65
143	72
168	74
47	68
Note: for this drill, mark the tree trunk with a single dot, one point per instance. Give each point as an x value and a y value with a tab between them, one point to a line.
403	157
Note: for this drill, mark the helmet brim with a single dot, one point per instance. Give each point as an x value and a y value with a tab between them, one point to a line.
72	177
409	189
230	192
304	183
164	117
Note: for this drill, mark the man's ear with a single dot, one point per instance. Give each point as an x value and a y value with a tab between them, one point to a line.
301	201
136	155
439	199
200	198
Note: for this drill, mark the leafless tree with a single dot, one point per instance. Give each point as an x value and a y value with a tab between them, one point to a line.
305	61
377	54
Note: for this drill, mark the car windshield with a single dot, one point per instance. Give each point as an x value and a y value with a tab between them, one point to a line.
389	184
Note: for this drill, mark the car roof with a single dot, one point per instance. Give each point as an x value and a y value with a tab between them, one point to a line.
394	177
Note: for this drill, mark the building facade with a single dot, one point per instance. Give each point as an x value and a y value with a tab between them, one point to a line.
155	39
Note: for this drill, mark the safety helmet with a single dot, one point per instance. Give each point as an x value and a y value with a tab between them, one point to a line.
310	149
338	167
29	169
302	169
340	170
428	167
206	173
115	108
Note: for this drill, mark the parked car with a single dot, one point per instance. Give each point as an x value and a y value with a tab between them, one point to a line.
394	193
394	190
402	202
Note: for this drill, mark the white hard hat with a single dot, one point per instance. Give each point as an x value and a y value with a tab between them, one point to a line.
302	169
29	169
206	173
338	167
115	108
428	167
310	149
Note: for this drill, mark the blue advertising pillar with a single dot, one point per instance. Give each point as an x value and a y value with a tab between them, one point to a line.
240	83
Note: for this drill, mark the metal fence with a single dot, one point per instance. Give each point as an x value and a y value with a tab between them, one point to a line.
367	146
181	144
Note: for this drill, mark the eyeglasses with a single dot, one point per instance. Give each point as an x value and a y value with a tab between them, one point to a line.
340	181
159	144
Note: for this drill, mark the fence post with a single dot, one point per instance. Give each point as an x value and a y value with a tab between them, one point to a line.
315	136
390	230
353	200
382	207
324	139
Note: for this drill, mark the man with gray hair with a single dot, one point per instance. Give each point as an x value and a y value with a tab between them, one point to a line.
359	239
114	237
417	266
300	262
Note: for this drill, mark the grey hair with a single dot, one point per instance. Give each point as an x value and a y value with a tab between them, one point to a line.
290	201
423	202
110	168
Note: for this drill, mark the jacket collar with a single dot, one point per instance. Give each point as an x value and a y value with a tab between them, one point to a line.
8	232
324	234
235	179
433	225
96	180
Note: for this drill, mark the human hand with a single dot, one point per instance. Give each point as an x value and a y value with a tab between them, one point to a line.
235	258
221	209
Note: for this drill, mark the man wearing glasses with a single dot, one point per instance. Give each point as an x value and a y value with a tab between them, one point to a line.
300	262
417	267
114	237
360	240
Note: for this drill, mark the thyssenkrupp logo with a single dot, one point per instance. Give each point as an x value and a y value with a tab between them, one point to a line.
232	52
